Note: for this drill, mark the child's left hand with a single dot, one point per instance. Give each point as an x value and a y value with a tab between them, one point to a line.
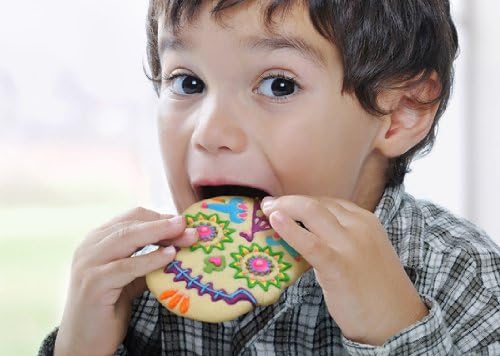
366	289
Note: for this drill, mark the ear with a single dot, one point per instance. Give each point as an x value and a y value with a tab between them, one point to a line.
410	116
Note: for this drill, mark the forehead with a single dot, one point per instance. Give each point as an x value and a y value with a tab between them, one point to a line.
293	31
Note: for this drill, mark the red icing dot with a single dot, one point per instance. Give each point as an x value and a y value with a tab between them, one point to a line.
206	232
260	265
216	261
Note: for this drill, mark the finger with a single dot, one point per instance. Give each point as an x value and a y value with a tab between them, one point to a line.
130	217
351	206
99	234
124	242
308	245
344	215
120	273
315	216
138	213
188	238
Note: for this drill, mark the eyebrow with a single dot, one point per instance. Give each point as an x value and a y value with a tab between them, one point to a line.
297	44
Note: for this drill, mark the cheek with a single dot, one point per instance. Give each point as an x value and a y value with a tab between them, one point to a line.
321	151
174	138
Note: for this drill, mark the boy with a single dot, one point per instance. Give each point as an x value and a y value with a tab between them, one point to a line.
321	108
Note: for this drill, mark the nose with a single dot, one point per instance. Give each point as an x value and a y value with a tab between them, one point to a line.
218	129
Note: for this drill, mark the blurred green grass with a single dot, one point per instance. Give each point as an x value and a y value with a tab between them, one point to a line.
37	247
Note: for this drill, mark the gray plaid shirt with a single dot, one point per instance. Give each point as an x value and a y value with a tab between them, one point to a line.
453	264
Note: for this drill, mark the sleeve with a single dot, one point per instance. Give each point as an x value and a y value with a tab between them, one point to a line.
47	346
143	334
464	312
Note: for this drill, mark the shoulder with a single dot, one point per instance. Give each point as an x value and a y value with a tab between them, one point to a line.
429	237
445	231
448	241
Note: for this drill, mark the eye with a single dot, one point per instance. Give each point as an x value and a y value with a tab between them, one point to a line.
184	84
279	87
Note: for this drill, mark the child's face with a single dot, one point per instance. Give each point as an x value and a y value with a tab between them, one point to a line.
220	122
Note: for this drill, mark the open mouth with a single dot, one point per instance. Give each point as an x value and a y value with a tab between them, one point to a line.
210	191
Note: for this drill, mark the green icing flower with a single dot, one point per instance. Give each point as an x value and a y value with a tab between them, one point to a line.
219	232
260	266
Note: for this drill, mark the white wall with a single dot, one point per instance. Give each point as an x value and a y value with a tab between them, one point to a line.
484	118
462	171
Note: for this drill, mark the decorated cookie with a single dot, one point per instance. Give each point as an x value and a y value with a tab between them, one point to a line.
238	263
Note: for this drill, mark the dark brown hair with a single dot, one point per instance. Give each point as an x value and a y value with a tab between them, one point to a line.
383	43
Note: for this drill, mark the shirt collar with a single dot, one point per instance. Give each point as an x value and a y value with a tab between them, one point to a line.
404	223
389	204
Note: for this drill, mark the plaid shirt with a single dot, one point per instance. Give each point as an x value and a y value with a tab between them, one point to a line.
453	264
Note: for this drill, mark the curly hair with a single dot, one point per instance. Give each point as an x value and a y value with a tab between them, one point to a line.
383	44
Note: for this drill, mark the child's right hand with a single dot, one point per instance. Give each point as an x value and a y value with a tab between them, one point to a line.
105	279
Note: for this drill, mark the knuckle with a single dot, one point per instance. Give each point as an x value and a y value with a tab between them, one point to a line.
142	213
77	271
88	280
123	231
80	258
139	211
77	253
127	225
95	231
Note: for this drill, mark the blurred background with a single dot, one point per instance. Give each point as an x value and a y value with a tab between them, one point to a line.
78	142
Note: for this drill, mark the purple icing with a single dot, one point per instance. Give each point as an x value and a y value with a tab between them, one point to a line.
259	223
207	288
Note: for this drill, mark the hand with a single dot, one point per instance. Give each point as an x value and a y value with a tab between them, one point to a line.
105	279
366	289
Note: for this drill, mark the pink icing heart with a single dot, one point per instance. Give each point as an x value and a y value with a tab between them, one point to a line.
243	215
215	260
242	206
204	205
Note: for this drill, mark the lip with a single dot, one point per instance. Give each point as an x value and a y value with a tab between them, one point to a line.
198	183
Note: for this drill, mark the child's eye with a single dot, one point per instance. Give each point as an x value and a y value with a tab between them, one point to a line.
279	87
184	84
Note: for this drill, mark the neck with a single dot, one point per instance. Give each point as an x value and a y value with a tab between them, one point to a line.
371	182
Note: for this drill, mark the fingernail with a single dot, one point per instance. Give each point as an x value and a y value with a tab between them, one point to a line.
176	219
169	251
191	231
267	203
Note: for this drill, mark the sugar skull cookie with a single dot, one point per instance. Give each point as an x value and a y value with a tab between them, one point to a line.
238	263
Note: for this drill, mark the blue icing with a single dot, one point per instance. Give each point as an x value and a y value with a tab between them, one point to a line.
231	208
275	242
